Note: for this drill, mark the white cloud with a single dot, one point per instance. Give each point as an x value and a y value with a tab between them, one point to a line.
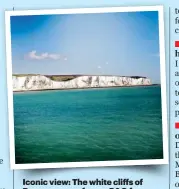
65	58
54	56
33	55
99	67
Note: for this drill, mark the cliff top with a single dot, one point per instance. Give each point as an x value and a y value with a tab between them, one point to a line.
69	77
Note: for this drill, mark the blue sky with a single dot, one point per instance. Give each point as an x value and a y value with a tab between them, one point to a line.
125	44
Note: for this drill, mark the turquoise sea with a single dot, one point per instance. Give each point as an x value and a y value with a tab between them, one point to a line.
88	125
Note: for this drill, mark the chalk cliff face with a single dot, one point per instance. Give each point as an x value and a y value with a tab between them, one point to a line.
40	82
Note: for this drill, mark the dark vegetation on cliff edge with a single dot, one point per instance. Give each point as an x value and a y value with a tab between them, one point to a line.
68	77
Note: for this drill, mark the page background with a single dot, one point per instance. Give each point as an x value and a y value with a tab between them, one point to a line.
155	177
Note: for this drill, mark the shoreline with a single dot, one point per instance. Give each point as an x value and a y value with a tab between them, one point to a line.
60	89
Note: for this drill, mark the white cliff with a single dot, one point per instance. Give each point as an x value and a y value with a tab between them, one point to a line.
40	82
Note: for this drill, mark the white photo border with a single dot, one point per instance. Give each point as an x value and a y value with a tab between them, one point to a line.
160	10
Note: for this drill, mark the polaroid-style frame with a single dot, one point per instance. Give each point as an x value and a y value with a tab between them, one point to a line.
8	15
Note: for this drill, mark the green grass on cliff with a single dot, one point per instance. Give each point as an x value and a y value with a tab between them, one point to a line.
52	77
63	77
23	75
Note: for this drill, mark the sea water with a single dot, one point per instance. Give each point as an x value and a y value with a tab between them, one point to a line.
88	125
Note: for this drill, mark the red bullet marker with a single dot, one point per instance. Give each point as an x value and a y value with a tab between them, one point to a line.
176	43
177	125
